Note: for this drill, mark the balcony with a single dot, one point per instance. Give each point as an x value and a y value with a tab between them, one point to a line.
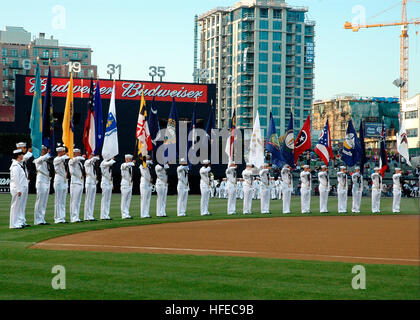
248	16
308	75
75	58
291	52
290	62
248	93
307	95
248	39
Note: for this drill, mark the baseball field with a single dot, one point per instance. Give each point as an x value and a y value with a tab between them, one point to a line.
216	257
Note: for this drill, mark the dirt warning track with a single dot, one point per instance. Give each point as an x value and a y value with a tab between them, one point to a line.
364	239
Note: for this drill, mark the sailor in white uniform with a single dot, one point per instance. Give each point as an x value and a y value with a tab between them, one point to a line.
305	189
145	188
287	187
324	189
223	189
278	186
265	188
248	182
18	182
396	190
107	186
273	189
27	154
60	185
126	185
376	190
42	186
183	187
90	185
357	190
342	189
76	169
231	187
161	189
205	187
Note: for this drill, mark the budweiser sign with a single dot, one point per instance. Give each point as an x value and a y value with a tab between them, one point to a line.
124	90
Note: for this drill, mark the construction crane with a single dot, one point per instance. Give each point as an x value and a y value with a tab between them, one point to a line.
403	81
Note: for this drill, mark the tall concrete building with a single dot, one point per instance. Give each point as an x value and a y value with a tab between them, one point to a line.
411	111
20	53
260	54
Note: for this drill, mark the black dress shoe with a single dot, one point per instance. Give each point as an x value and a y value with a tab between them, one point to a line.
26	225
92	220
45	224
129	218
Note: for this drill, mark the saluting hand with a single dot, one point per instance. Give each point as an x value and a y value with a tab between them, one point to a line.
19	194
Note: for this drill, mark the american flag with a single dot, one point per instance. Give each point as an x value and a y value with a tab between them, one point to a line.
324	148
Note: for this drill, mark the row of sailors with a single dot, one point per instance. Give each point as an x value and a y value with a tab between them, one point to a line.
219	190
84	174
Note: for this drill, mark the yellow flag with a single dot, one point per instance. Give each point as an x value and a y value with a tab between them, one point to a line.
68	136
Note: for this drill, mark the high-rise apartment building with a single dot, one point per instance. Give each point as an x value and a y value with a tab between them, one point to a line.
260	54
20	53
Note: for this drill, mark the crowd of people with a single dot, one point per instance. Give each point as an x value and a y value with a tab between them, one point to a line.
80	174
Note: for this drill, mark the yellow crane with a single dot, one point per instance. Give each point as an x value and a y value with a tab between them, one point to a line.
403	83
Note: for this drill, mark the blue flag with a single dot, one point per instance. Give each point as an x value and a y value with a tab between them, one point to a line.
211	122
192	132
288	145
35	123
383	161
352	151
48	138
272	144
363	158
154	128
99	121
172	134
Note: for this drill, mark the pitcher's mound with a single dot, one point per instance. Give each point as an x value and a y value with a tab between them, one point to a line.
365	239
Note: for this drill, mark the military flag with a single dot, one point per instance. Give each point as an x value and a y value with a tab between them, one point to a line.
287	145
383	159
143	139
48	137
402	143
172	133
324	148
351	152
303	140
89	129
110	148
256	148
99	121
363	158
35	122
229	149
272	143
68	126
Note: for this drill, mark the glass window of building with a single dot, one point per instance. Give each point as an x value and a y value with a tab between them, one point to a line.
262	110
263	35
263	46
412	133
14	52
56	54
262	99
46	54
277	14
5	72
276	36
277	25
276	57
411	114
297	91
298	28
65	54
263	67
276	68
297	113
262	89
263	56
276	89
277	46
275	111
264	24
275	100
297	102
263	121
24	53
4	52
264	13
298	38
262	78
75	55
276	79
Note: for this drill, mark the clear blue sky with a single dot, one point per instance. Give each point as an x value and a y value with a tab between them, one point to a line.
138	34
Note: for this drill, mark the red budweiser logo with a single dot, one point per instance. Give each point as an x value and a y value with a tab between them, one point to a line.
124	90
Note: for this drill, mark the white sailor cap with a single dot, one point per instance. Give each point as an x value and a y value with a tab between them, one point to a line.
44	147
377	169
232	162
249	164
17	151
60	149
266	164
206	161
357	168
323	166
182	160
21	145
76	150
129	156
397	169
305	166
343	167
286	166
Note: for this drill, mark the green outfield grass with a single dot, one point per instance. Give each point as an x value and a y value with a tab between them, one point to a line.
26	274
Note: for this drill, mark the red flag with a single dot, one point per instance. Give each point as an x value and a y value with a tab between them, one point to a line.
324	148
89	130
303	140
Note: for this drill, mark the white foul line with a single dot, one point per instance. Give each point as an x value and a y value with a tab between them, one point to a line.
220	251
143	248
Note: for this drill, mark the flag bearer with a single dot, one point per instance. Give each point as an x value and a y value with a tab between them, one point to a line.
126	185
324	188
305	189
396	190
376	190
183	188
231	187
287	187
145	187
60	185
27	155
18	182
161	189
76	169
248	183
205	185
42	186
91	181
342	189
107	186
265	191
357	190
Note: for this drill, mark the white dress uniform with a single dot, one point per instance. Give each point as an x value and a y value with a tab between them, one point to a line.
305	191
239	191
273	189
28	155
265	191
76	187
287	188
357	190
42	188
231	190
248	191
396	191
91	181
342	192
222	193
205	190
183	187
161	189
145	191
278	185
126	188
376	192
60	189
18	182
106	185
324	188
256	189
